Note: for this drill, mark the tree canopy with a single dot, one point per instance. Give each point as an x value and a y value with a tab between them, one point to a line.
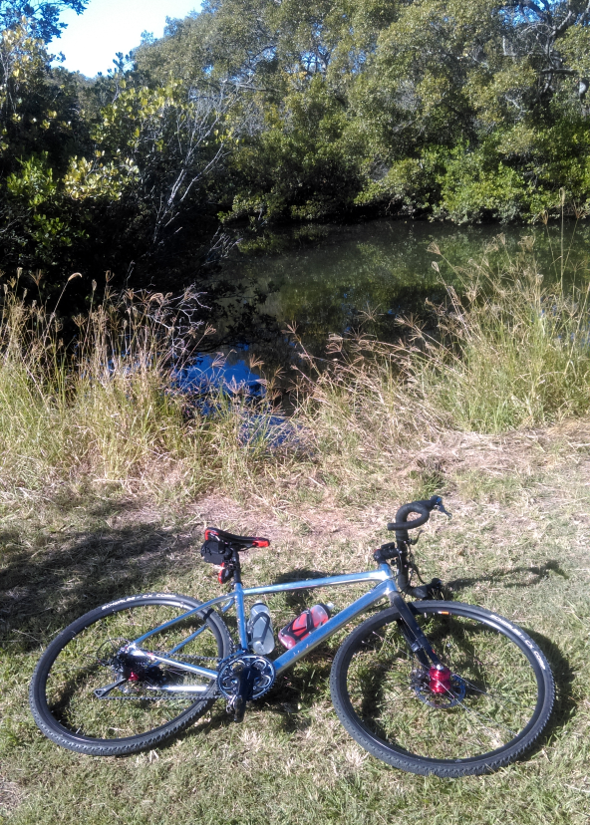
43	16
258	111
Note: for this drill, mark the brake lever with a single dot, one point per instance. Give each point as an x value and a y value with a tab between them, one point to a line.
441	508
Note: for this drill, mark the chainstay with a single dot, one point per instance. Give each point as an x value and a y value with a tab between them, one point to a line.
164	695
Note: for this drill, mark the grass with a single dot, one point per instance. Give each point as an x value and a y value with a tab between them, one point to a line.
514	352
106	486
290	761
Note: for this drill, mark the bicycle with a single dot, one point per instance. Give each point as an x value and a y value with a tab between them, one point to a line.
431	686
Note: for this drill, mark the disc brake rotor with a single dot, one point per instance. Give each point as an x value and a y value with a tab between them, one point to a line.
454	695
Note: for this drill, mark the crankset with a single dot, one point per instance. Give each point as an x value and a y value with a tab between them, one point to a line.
242	678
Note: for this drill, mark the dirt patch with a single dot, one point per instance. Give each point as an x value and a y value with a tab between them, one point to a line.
10	797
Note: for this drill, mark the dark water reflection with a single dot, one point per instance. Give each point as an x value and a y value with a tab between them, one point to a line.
336	279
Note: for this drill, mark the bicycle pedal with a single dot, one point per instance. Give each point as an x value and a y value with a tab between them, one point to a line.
433	590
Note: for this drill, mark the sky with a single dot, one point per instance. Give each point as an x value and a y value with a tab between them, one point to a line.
93	38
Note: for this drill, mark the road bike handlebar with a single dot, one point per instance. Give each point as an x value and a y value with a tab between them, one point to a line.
423	508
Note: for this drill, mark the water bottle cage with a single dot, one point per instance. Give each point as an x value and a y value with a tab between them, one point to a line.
297	631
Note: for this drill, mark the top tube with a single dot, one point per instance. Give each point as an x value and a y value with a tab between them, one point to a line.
383	573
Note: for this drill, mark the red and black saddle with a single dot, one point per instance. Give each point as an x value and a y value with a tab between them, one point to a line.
219	545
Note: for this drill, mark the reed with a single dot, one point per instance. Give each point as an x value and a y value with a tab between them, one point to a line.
509	348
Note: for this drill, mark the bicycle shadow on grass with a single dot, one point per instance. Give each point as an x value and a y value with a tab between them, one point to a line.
529	576
287	704
44	588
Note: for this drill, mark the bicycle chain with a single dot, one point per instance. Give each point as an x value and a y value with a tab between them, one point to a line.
157	697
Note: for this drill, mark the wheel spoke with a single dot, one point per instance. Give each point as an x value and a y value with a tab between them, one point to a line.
412	714
95	686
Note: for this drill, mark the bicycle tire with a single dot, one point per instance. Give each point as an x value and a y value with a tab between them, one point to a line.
138	715
384	697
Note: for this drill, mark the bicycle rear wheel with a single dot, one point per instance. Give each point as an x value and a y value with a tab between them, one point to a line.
490	708
152	702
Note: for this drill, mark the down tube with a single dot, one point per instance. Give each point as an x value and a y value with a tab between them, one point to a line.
322	633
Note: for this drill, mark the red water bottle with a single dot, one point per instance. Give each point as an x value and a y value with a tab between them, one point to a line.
304	624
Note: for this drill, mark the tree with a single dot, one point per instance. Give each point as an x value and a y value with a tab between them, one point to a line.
43	15
166	142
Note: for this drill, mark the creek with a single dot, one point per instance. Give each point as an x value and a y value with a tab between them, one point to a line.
339	279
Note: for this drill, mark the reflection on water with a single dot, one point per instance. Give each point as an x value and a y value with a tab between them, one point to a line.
229	373
334	279
321	280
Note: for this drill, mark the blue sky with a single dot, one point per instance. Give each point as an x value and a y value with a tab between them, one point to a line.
92	39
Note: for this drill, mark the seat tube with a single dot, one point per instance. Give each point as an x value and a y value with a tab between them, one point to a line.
241	614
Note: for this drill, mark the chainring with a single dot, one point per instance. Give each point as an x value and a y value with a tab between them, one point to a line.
230	670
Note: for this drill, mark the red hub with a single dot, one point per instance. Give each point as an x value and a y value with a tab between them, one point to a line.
439	678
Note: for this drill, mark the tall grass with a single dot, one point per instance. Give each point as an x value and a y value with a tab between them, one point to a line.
509	348
103	408
513	352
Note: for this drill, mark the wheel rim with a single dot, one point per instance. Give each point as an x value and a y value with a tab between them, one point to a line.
492	701
141	703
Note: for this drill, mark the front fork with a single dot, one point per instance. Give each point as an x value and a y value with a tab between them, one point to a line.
412	633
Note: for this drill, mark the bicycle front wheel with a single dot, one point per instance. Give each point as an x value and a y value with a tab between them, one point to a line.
487	709
87	694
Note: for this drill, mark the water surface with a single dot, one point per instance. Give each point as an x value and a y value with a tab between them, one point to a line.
320	280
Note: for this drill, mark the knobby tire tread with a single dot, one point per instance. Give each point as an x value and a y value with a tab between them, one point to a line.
135	744
423	765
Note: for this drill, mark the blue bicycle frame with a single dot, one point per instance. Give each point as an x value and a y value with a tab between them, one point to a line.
384	587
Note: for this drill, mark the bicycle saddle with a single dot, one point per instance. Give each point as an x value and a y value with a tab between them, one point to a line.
241	542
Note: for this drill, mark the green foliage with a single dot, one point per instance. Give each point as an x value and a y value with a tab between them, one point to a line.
161	144
478	185
44	15
34	191
251	109
307	161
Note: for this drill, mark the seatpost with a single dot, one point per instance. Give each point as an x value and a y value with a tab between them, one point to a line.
240	609
237	570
